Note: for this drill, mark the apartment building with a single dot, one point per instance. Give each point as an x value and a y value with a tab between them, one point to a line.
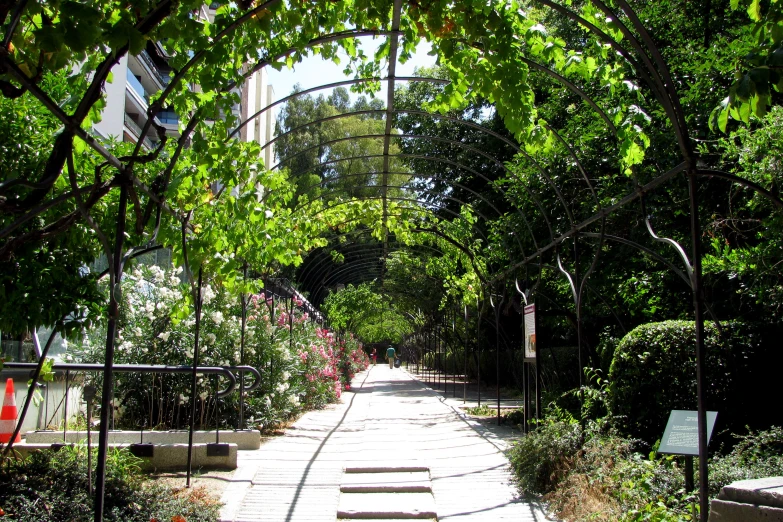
137	78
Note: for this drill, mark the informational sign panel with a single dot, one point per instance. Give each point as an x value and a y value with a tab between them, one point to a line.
681	436
530	332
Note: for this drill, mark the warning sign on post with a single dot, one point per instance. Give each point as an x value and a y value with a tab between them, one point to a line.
530	331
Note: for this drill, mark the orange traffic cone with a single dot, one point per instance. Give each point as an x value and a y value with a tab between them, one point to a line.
9	414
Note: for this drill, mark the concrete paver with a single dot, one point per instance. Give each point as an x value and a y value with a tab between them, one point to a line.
380	482
389	423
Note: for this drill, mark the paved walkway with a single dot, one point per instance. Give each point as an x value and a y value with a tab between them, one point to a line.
390	422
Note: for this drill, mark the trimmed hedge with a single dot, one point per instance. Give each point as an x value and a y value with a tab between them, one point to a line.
654	371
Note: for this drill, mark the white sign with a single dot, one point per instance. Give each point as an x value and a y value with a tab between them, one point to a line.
530	331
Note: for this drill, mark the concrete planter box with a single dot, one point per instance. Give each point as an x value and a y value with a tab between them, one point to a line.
759	500
165	457
244	439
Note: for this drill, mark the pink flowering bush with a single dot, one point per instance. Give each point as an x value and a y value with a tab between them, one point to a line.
302	365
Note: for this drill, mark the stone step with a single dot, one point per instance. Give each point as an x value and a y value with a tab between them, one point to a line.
388	482
391	468
399	506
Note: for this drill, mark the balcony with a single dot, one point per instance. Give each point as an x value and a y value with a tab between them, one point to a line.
137	87
136	130
155	71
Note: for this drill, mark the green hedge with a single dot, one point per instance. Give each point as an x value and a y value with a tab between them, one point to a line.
654	371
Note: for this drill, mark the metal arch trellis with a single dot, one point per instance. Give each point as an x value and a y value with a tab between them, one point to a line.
652	68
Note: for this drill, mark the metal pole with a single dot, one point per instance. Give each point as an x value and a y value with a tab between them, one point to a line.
538	366
89	395
497	354
436	359
465	361
478	352
454	350
698	309
194	379
526	393
241	424
108	374
65	408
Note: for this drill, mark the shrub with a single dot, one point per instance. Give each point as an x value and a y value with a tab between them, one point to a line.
52	485
654	371
756	455
542	458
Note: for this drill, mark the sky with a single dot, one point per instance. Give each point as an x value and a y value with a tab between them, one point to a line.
314	70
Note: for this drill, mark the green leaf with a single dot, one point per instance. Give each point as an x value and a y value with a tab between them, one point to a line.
754	10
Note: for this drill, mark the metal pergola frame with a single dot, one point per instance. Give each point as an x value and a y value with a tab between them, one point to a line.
643	56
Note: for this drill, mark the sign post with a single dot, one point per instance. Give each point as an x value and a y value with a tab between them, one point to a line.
531	357
681	437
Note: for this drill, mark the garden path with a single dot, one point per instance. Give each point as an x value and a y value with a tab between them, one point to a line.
391	422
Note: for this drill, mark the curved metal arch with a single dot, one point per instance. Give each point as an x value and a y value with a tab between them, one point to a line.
460	166
457	244
333	37
746	183
541	169
412	175
370	267
652	253
313	265
321	272
445	236
666	79
651	76
354	81
605	211
444	209
366	270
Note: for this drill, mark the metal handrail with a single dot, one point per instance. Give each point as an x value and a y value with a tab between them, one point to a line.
152	368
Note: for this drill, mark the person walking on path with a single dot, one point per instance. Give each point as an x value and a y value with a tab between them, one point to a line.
374	355
390	355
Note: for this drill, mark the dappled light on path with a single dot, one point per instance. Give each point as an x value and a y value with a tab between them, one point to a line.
389	422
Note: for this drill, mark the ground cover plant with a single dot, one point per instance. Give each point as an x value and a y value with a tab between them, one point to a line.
588	471
52	485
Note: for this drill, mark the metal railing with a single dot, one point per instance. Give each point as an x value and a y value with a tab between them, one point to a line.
154	69
136	129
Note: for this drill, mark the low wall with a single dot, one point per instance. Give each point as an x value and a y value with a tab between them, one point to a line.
165	457
758	500
243	439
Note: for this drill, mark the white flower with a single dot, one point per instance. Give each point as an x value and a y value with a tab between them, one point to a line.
160	305
210	338
269	214
217	317
282	387
207	294
294	400
137	332
286	376
164	336
268	402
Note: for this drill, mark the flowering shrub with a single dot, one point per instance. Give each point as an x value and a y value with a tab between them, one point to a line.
302	365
